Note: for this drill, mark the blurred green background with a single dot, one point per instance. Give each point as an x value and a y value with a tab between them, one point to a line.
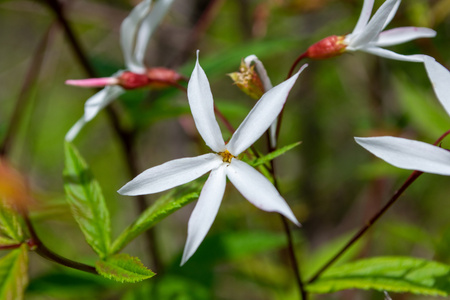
332	184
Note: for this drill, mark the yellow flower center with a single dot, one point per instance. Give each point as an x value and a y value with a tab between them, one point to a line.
226	156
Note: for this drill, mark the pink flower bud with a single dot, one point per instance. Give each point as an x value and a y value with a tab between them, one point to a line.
162	77
93	82
129	80
328	47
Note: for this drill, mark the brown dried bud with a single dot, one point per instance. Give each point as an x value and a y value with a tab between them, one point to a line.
328	47
248	81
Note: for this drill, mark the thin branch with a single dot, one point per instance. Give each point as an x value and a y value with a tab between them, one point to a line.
38	246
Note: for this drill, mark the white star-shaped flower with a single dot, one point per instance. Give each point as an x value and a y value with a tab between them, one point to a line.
222	163
368	36
135	33
415	155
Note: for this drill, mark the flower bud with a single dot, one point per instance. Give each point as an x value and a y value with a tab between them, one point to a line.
328	47
129	80
162	77
248	81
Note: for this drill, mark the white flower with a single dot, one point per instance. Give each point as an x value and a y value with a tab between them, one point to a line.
222	163
135	33
415	155
367	35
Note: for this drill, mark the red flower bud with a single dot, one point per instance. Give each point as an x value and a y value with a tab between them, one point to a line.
162	77
328	47
129	80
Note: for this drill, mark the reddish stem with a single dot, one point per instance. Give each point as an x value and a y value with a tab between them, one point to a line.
296	62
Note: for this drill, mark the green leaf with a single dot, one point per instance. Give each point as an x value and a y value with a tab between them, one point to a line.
11	226
86	201
123	268
393	274
274	154
164	206
14	274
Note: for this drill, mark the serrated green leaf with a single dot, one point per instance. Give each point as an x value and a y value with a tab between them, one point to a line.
86	200
123	268
11	226
274	154
164	206
14	274
392	274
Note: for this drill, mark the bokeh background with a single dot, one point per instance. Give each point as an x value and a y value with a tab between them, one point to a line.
332	184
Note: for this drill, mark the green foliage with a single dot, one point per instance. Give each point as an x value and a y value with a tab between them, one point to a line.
14	274
86	201
123	268
426	113
164	206
316	258
65	283
393	274
11	226
274	154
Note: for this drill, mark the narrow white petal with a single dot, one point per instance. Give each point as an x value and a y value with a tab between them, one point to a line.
262	73
171	174
257	189
73	132
261	116
98	101
375	26
440	78
205	211
403	34
392	55
202	108
148	26
364	16
128	35
408	154
391	14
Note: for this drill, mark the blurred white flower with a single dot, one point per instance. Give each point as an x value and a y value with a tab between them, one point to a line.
222	163
415	155
135	33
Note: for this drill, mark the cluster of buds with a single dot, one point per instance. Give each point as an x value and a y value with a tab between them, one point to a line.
153	77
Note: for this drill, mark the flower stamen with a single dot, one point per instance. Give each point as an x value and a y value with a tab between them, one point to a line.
226	156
